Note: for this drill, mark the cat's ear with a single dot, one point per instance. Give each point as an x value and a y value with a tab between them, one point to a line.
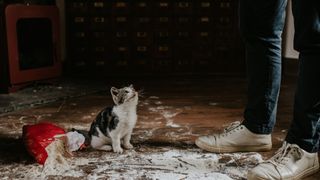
114	92
131	86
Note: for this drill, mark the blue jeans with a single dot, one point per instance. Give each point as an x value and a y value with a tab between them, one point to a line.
261	25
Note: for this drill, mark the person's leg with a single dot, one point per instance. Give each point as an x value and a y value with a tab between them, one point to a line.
261	25
305	127
298	156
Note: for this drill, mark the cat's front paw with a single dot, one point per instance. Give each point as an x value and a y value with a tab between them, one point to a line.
118	150
128	146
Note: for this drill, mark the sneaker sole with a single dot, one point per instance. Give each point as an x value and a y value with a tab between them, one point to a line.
307	172
303	174
232	149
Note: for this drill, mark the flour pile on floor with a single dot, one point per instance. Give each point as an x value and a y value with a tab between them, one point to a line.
156	163
56	162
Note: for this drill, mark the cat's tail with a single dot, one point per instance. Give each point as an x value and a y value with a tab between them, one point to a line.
85	134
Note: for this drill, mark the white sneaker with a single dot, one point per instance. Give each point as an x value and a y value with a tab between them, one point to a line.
289	162
235	138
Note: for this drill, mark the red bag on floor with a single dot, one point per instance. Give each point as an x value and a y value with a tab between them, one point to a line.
37	137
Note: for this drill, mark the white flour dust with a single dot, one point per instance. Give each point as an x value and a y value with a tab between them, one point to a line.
167	113
159	163
213	104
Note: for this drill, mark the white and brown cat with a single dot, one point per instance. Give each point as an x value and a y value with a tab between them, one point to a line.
113	125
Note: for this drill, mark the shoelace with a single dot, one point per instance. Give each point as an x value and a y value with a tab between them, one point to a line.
232	126
227	129
284	153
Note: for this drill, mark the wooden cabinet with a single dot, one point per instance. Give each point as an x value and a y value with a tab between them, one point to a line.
155	35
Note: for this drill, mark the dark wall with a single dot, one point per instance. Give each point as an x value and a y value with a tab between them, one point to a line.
40	2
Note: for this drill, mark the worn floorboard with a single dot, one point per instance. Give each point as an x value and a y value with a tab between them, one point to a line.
172	113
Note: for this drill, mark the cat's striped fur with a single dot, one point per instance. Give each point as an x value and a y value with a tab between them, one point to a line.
115	123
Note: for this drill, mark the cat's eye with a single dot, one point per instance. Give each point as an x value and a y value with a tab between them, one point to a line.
126	91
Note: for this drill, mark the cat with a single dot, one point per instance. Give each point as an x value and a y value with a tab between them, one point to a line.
113	126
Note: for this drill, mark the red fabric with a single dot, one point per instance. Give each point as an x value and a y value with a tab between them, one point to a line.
37	137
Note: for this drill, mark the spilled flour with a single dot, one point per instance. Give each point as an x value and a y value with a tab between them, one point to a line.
156	163
167	114
144	161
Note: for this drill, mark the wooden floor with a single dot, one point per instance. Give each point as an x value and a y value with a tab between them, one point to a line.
172	111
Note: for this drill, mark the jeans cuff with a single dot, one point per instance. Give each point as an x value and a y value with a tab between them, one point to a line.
307	146
258	129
